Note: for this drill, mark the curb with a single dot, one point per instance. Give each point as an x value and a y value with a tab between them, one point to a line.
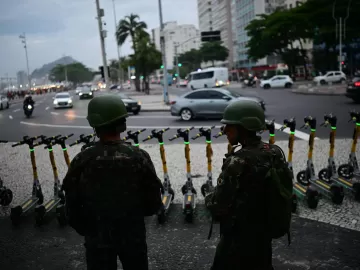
317	93
155	110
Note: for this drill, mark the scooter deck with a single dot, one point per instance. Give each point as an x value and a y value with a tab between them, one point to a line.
29	204
50	205
299	189
189	199
166	200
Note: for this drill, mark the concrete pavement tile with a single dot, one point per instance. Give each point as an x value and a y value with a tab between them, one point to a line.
15	169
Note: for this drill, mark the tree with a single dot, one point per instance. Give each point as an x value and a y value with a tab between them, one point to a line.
128	27
213	51
147	57
76	73
190	61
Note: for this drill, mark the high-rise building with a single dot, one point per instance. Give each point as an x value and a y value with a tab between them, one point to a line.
182	38
215	15
21	78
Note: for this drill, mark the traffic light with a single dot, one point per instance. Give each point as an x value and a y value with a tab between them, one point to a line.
342	62
176	74
102	71
179	65
210	36
162	66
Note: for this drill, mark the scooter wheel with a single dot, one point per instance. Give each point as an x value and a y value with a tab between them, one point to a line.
346	171
61	215
40	196
324	175
15	215
356	189
39	215
183	189
189	217
161	217
312	197
302	178
193	190
171	191
6	197
337	194
206	188
294	203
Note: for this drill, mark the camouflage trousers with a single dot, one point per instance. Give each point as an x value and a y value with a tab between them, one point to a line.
234	254
103	255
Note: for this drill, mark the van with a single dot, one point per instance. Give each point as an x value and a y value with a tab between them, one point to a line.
209	78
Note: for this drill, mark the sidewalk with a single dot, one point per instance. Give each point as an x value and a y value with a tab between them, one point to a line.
326	90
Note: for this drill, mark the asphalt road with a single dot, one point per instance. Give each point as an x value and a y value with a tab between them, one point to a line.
280	104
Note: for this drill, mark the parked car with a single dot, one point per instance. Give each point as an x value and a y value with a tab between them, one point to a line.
86	93
207	102
331	77
131	104
353	90
277	81
182	83
63	100
4	102
78	90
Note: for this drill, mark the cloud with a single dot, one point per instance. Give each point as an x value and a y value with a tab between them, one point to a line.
56	27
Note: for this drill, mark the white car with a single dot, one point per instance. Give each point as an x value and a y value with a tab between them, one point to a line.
4	102
63	100
331	77
277	81
78	90
182	83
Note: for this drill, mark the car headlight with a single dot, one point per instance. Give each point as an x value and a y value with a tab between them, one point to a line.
70	101
80	94
55	102
90	93
139	102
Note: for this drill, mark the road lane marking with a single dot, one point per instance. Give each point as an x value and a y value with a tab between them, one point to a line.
299	134
47	108
55	113
16	110
10	117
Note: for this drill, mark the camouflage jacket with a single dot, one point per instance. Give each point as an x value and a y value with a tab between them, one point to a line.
238	200
114	180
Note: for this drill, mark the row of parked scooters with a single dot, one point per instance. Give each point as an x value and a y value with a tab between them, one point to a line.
331	182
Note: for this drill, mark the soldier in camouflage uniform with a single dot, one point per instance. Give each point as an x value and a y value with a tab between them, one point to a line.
109	188
238	201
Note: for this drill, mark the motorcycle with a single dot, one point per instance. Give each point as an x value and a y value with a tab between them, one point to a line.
251	82
28	110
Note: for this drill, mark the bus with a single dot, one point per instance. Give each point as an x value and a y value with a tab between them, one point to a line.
209	78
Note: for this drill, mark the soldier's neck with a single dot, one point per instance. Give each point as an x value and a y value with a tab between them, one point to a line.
110	138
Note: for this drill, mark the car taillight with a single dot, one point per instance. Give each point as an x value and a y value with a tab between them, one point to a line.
357	84
172	102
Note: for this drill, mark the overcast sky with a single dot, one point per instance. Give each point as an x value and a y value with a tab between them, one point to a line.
68	27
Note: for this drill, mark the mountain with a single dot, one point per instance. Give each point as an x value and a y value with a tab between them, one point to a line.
45	69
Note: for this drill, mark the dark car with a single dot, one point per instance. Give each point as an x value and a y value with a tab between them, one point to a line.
353	90
131	104
86	93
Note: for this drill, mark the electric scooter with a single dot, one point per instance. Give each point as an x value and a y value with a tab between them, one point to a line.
37	197
168	193
329	174
134	135
206	132
87	140
62	142
6	194
270	126
352	169
188	189
58	200
307	194
221	133
306	177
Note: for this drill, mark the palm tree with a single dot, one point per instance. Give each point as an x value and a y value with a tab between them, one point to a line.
128	27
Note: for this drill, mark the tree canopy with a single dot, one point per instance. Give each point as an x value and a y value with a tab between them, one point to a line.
76	73
285	32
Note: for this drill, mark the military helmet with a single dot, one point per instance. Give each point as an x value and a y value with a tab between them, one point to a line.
247	113
104	110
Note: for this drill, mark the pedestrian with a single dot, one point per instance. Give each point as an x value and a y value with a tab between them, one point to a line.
109	188
252	199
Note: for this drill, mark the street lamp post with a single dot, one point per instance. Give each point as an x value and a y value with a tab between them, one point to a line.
120	72
23	40
102	34
162	42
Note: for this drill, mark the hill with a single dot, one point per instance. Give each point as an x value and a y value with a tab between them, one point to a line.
45	69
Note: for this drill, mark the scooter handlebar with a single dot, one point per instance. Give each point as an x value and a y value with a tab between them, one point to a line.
148	138
3	141
28	140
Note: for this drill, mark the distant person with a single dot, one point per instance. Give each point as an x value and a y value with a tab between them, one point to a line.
110	187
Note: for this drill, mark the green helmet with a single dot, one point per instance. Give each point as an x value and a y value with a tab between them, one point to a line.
105	110
247	113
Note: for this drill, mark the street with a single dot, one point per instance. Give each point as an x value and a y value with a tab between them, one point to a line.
280	104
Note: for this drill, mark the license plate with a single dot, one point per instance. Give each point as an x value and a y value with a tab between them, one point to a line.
62	103
134	108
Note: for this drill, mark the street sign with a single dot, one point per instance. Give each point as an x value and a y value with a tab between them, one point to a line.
210	36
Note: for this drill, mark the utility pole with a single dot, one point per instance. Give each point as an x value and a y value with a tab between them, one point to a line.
177	64
120	72
342	30
23	40
102	33
162	42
